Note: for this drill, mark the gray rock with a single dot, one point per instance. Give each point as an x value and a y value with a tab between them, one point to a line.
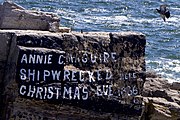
161	99
129	47
13	16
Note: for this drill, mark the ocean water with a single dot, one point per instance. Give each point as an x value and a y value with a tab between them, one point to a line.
163	38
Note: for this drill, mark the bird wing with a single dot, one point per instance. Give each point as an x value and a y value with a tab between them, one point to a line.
167	14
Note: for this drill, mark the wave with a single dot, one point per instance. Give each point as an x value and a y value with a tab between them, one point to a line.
168	68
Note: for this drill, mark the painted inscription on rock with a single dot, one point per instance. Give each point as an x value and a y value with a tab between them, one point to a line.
96	81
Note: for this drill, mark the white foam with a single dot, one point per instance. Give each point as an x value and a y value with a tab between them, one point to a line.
99	10
168	68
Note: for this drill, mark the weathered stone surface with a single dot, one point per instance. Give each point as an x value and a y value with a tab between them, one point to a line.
20	105
13	16
64	29
175	86
162	99
6	40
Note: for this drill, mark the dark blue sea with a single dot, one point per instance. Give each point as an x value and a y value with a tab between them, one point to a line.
163	38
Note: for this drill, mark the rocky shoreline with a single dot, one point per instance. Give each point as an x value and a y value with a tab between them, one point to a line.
161	99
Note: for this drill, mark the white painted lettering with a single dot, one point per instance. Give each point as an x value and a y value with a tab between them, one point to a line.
38	75
32	58
61	58
76	93
110	90
108	75
22	90
98	76
84	58
31	73
45	57
73	77
39	59
93	58
105	90
113	56
24	58
39	92
49	59
85	91
32	91
99	92
45	92
56	74
80	76
23	74
67	91
106	56
46	74
66	75
72	59
57	93
50	95
91	78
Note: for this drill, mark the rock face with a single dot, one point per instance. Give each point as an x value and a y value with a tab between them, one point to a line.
72	75
13	16
162	99
53	76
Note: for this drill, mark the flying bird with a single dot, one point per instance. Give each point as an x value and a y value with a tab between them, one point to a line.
164	12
